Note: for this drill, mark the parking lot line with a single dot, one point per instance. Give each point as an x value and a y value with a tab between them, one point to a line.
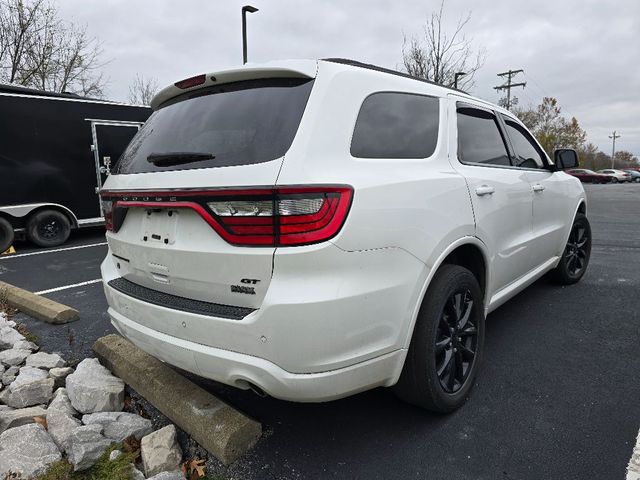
42	252
66	287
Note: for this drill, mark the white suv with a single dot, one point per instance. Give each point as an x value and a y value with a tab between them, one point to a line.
313	229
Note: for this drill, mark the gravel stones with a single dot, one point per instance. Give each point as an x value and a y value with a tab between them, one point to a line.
160	451
92	388
120	425
32	386
45	360
27	450
87	444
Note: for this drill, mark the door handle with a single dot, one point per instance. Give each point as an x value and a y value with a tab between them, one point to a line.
538	188
483	190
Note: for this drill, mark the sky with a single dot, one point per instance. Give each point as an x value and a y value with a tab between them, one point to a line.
585	53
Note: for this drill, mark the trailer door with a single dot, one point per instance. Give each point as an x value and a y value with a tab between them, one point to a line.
110	139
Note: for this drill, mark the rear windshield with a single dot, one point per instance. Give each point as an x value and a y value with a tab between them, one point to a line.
239	123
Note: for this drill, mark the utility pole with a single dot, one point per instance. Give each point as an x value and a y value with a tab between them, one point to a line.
509	85
245	9
613	150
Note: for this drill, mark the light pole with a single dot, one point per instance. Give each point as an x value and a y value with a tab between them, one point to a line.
455	78
613	150
245	9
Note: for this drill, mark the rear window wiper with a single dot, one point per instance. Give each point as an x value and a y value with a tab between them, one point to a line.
177	158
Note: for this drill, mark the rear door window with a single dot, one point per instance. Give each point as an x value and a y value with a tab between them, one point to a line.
479	138
396	125
239	123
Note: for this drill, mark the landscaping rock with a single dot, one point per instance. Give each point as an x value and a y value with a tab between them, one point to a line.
13	356
8	337
27	450
120	425
136	474
1	369
86	446
6	408
59	375
60	419
18	417
114	455
45	360
175	475
160	451
31	387
26	345
10	375
92	388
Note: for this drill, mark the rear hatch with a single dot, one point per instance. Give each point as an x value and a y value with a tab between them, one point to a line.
205	154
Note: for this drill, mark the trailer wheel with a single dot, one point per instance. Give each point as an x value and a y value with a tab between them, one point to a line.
6	234
48	228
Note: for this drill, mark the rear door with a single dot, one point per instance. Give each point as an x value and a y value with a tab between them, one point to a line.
551	211
500	194
231	137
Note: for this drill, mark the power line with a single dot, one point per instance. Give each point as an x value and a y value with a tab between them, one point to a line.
509	85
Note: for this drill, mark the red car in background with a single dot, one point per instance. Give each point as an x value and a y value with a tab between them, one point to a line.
589	176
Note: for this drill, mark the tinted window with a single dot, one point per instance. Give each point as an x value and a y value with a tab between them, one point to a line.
527	153
239	123
396	125
479	138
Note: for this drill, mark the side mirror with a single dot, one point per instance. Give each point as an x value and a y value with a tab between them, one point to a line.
565	159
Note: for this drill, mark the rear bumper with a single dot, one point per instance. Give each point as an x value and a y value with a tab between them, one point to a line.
240	370
332	323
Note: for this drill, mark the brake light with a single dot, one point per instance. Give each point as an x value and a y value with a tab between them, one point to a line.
282	216
191	82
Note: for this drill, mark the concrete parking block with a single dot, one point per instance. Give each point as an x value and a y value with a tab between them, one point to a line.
216	426
37	306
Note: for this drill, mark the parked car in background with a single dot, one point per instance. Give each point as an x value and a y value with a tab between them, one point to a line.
616	175
313	229
589	176
635	175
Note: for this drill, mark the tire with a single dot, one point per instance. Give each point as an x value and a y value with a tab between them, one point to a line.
48	228
614	180
420	383
576	254
6	234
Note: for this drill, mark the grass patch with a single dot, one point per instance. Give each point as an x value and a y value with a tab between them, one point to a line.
104	469
24	331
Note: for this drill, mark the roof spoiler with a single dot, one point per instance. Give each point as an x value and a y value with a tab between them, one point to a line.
286	69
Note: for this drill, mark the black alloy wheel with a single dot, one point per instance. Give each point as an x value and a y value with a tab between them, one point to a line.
446	347
456	341
577	251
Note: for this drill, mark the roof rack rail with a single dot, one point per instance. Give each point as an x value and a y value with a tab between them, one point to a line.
368	66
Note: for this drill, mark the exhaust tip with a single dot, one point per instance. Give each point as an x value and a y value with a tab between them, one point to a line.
257	390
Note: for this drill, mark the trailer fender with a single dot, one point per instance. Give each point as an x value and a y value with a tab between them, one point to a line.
23	211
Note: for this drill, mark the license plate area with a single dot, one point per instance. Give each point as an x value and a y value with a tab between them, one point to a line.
160	226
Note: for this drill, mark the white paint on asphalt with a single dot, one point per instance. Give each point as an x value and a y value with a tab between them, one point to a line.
633	470
42	252
66	287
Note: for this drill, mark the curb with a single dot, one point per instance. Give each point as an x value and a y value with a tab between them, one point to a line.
37	306
219	428
633	470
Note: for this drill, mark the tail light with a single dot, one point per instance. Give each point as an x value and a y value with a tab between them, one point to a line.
282	216
107	211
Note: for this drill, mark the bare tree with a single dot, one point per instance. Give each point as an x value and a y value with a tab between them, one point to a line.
39	50
142	90
439	55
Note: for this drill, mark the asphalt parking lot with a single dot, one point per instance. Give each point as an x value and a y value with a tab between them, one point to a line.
558	394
